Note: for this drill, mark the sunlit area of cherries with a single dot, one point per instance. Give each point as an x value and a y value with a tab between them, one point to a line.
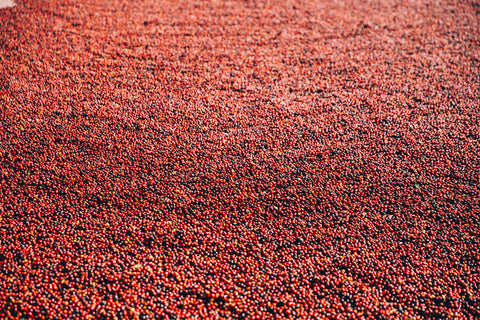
239	159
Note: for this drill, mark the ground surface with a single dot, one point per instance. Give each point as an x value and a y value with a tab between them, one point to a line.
239	159
6	3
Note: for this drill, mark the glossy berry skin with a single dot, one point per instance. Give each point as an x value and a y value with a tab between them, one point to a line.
239	159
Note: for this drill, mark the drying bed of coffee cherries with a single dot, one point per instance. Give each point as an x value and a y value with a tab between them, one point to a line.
240	159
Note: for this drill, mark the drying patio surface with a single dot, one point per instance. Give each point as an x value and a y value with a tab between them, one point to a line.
240	159
6	3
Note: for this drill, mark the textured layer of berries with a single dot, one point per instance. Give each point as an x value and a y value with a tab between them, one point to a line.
239	159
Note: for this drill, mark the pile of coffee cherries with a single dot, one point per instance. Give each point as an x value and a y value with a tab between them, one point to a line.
239	159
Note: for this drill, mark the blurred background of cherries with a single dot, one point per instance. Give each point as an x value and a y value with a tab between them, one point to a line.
239	159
